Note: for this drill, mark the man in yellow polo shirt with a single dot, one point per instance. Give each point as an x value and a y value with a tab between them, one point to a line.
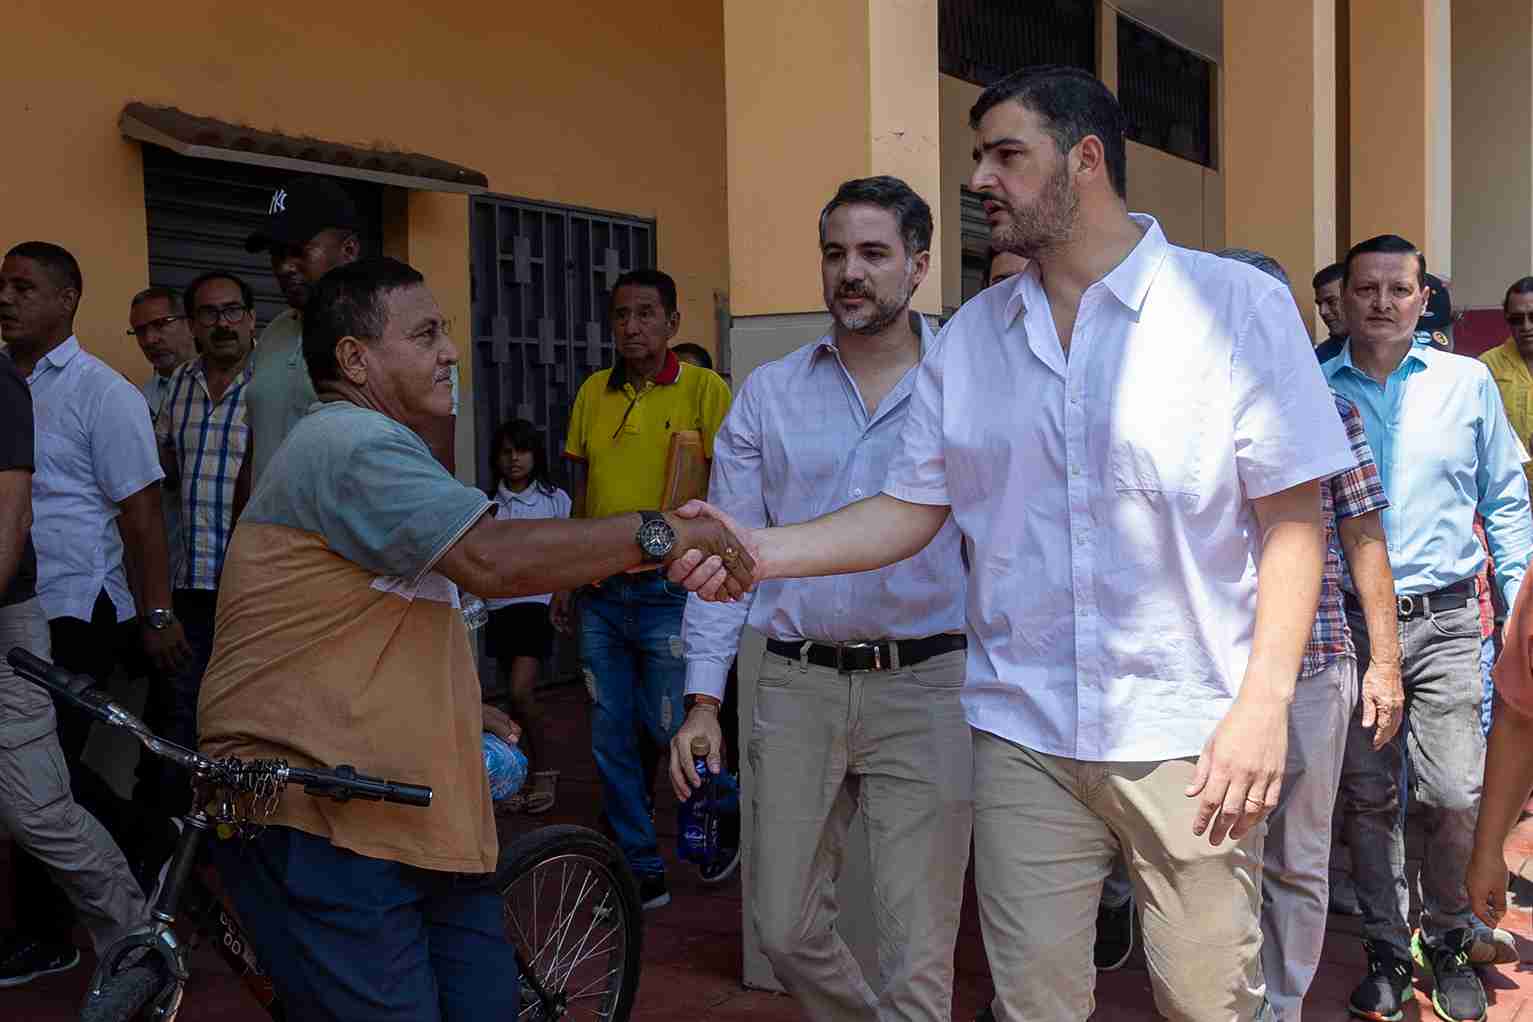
1510	363
630	624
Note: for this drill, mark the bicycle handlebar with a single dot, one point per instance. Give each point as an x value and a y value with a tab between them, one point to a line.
341	784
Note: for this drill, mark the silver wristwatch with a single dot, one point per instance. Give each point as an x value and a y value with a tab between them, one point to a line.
159	619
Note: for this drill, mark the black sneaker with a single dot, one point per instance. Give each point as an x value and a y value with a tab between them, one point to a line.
1386	987
652	891
23	959
1115	936
1457	995
722	867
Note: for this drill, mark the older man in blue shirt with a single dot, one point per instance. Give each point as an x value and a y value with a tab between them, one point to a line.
1446	452
858	705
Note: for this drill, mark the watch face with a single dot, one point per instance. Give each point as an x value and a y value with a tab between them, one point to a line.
656	537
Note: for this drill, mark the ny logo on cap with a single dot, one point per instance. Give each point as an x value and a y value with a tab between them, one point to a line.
278	202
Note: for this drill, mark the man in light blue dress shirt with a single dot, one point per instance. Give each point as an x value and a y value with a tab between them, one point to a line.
1445	451
857	707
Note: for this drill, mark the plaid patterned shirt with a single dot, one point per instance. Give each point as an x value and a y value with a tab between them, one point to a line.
207	440
1357	491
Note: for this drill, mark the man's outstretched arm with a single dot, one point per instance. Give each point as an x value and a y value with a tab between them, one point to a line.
523	557
864	536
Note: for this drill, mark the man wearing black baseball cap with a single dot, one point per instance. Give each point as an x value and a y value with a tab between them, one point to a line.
311	228
1437	318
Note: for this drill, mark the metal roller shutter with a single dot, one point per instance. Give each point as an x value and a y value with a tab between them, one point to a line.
201	211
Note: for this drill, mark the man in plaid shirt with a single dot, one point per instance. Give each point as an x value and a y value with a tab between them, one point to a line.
203	437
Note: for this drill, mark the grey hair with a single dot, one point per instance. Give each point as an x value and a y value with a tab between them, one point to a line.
1268	265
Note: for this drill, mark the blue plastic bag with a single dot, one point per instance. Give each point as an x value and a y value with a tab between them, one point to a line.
506	765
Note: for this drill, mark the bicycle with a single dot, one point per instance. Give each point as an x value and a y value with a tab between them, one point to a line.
572	906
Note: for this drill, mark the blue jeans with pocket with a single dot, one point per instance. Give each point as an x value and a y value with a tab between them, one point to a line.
630	650
347	937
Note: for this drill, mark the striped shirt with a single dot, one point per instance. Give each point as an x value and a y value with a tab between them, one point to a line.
208	440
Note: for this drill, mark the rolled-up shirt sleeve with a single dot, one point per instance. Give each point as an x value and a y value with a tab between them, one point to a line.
918	473
1287	431
1503	492
711	631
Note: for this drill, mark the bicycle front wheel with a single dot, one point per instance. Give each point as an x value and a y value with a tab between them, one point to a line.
123	996
572	911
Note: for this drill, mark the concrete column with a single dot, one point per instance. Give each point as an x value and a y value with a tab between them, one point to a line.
1493	182
817	94
1399	113
1279	145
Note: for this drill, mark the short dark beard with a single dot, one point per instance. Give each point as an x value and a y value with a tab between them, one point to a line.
1049	222
885	310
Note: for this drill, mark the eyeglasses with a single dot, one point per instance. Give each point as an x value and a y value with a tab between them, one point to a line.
1519	318
153	326
208	315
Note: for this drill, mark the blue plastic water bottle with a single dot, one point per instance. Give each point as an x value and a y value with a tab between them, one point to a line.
506	765
697	822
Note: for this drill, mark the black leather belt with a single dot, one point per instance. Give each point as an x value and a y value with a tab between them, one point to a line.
868	656
1452	597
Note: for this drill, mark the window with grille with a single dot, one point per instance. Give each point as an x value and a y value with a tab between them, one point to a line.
981	41
1166	92
541	277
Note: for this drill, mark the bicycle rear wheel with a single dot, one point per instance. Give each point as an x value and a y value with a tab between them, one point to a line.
123	996
572	911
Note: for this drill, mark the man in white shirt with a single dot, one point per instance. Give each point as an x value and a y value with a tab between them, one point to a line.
1130	437
857	708
95	498
164	335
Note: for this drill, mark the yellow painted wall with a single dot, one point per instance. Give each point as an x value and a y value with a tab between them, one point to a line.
1493	179
1392	119
1279	148
957	96
819	94
588	102
1182	195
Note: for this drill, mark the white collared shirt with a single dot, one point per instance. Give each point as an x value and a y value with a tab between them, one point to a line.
533	502
799	443
1106	499
95	449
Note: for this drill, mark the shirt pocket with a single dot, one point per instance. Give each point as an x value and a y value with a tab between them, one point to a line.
1155	436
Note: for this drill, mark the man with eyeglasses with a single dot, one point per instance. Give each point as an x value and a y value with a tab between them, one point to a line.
164	335
204	439
1510	362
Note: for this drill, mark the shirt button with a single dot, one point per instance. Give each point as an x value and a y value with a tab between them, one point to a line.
1075	470
856	493
1075	399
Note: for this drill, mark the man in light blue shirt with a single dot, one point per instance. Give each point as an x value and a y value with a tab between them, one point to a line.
858	702
1445	452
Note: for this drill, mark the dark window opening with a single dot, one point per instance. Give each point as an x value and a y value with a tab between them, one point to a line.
982	41
1167	93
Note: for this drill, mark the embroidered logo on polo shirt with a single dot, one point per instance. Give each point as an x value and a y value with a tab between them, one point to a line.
278	202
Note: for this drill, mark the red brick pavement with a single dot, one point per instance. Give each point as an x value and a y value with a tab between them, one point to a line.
692	959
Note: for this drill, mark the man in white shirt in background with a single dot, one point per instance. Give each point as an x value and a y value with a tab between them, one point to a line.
97	518
857	707
1130	438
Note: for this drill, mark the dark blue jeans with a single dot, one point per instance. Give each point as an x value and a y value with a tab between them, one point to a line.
345	937
630	648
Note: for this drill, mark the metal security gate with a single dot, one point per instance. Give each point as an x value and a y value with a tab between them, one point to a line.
201	211
542	277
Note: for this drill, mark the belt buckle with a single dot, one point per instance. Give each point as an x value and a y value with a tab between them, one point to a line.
1406	605
841	647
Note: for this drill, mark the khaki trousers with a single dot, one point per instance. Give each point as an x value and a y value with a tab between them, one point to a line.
1046	830
894	746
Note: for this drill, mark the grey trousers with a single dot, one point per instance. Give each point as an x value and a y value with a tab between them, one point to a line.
1442	737
1297	852
36	805
894	746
